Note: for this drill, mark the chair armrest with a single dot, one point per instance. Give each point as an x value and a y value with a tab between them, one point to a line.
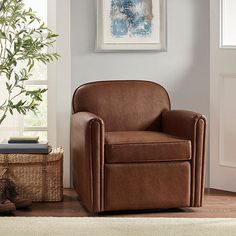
191	126
181	123
87	150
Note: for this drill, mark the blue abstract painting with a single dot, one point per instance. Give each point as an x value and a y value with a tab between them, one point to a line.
132	18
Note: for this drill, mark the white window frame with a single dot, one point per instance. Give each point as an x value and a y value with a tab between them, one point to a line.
52	78
59	84
222	46
36	128
21	128
50	82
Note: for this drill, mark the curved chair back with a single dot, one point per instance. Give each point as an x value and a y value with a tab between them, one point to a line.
123	105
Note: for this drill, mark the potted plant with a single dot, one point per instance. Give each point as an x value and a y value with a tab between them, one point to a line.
24	40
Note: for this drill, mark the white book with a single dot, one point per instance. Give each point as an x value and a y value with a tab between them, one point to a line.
40	145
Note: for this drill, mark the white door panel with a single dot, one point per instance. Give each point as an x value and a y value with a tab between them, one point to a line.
223	107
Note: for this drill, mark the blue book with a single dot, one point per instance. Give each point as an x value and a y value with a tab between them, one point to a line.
26	151
40	145
22	141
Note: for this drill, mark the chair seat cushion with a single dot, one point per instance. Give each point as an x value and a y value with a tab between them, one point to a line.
145	146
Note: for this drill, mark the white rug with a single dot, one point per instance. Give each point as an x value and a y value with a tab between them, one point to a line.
117	226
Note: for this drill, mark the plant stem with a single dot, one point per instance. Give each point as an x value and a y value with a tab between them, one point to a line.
1	43
6	109
3	2
3	116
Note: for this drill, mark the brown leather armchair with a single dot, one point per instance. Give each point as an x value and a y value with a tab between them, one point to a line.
131	152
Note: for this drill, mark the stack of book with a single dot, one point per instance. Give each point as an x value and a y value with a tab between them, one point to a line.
24	145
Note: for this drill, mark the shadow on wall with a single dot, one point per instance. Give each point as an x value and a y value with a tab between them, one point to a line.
191	90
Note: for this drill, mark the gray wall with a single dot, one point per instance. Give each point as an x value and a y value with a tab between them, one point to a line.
183	70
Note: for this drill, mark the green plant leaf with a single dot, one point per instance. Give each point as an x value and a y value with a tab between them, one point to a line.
21	45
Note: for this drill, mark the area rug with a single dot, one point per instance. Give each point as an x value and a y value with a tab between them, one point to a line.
117	226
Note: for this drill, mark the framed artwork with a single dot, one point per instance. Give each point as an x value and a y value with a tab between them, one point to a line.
131	25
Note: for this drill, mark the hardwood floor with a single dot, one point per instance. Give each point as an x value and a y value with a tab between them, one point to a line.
216	204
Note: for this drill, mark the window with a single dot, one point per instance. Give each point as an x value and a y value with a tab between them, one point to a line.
37	125
228	23
30	124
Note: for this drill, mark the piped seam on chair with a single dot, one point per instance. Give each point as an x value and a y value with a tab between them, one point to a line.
204	156
149	161
203	159
91	163
197	117
151	143
193	166
101	165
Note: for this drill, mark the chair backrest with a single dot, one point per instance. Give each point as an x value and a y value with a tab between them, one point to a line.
123	105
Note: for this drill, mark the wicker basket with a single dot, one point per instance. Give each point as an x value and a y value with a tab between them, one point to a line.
38	177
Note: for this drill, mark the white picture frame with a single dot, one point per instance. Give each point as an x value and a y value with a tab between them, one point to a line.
156	40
